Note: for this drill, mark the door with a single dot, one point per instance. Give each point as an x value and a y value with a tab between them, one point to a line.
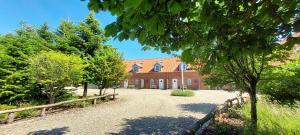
174	84
142	83
161	84
136	83
126	84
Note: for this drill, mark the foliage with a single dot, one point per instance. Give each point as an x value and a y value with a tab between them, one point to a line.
184	93
106	68
274	118
238	36
222	129
83	39
282	82
15	82
54	71
3	117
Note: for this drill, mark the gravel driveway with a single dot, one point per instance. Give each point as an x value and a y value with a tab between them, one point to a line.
134	112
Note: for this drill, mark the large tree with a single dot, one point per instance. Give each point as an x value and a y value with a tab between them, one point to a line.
16	85
239	36
83	39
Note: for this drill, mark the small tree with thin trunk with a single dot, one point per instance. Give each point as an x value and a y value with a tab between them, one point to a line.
106	69
54	71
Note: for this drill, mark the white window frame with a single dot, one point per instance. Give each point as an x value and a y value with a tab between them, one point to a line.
152	83
189	81
135	68
155	67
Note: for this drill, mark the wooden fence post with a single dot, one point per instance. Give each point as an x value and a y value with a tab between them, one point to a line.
10	117
43	112
95	101
114	93
238	101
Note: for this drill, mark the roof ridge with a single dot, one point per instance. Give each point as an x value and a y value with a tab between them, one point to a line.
153	58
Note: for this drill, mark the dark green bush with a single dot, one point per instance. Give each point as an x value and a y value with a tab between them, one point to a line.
282	83
184	93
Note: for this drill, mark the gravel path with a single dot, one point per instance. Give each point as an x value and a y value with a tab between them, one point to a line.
134	112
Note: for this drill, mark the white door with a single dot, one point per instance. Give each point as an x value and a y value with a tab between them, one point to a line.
142	83
126	84
161	84
174	84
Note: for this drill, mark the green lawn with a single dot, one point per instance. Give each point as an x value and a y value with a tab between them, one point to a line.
184	93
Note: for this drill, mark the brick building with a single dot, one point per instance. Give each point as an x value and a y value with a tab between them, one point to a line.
161	73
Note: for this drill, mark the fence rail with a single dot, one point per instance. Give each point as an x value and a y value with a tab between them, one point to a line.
217	110
43	108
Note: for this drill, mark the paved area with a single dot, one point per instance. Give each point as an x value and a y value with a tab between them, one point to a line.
134	112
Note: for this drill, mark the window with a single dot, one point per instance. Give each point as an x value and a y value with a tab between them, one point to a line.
182	67
189	81
157	67
135	68
151	83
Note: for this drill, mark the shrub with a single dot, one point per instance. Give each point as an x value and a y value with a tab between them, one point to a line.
184	93
54	71
27	113
84	104
222	129
282	83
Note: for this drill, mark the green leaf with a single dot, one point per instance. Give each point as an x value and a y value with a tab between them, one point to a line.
132	3
174	7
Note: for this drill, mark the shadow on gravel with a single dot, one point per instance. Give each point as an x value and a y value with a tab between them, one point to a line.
55	131
156	125
198	107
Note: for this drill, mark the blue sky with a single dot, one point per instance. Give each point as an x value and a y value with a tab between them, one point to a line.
36	12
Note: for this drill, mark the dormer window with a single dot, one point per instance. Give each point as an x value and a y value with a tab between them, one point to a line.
135	68
182	67
157	67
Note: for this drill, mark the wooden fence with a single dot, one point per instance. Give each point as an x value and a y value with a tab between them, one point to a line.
238	101
42	108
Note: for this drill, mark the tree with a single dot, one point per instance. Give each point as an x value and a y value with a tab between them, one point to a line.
16	83
282	82
83	39
54	71
106	68
238	36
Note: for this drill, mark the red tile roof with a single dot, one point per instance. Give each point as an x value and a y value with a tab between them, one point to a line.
147	65
297	35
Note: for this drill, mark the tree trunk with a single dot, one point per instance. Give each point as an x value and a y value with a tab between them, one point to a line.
252	94
85	86
100	92
51	99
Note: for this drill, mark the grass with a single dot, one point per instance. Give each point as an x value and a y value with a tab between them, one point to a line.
184	93
273	118
3	117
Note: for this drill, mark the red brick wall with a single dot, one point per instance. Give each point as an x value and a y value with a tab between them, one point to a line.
197	82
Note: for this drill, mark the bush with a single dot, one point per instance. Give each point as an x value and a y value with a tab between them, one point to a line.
184	93
222	129
274	118
282	83
28	113
84	104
